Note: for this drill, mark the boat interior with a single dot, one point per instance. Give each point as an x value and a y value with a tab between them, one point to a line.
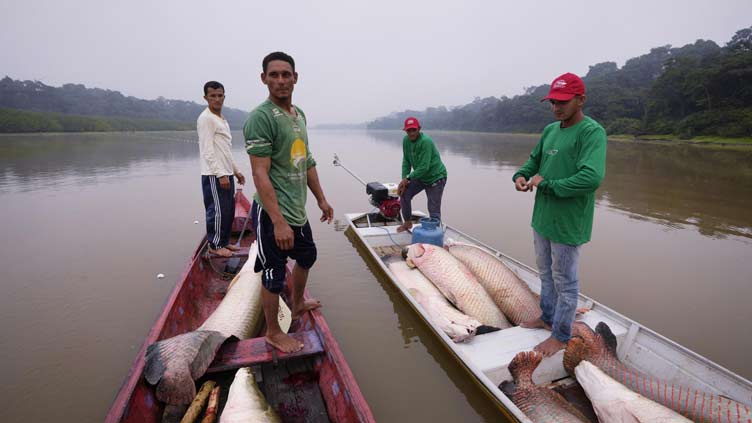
488	355
306	386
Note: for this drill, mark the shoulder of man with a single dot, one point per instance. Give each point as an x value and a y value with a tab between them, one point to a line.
203	116
591	127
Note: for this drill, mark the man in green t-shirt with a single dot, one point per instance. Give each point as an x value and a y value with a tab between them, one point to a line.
566	166
283	170
422	169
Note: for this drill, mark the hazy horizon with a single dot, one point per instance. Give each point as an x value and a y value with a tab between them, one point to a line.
356	62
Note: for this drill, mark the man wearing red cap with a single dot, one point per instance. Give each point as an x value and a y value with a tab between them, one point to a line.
422	169
566	166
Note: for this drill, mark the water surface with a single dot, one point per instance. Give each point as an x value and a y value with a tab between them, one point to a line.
91	219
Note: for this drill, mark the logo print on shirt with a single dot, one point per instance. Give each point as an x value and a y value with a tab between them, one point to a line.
552	152
298	154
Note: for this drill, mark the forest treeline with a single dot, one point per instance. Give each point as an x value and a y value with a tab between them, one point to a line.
700	89
73	107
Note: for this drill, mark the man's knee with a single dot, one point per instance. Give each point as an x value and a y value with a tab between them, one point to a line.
307	258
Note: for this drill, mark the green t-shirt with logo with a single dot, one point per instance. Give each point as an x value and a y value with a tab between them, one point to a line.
572	162
272	132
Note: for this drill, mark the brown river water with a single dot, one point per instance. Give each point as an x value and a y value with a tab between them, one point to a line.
90	219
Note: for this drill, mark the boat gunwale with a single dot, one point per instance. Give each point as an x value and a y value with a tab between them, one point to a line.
124	395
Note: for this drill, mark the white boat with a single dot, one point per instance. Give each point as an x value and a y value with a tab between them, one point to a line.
487	356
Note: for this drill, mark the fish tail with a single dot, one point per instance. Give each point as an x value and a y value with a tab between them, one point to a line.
608	337
575	352
173	364
522	367
480	330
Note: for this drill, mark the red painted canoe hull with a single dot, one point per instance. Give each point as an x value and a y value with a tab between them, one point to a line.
197	293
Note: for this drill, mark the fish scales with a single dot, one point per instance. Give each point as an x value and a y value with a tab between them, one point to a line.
458	326
613	402
513	296
457	283
539	404
699	406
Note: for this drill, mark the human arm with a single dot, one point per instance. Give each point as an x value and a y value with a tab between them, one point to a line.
591	168
327	212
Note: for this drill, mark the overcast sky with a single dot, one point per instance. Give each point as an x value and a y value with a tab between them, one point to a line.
357	60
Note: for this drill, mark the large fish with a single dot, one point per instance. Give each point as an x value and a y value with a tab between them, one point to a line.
456	282
613	402
175	363
513	296
459	327
245	402
540	404
599	348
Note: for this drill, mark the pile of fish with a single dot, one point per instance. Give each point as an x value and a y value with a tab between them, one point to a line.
175	363
483	294
457	283
513	296
459	327
599	348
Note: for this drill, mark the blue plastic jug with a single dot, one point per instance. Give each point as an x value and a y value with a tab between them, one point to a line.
429	232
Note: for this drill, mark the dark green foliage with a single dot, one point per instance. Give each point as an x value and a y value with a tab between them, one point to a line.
698	89
22	121
75	99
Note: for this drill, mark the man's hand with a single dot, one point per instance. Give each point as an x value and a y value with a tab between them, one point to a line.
224	182
241	178
327	212
283	236
534	182
402	186
520	184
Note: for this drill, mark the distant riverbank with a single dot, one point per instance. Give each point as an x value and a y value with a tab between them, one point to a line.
139	125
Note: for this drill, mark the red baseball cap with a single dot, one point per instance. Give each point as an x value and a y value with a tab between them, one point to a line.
564	87
411	123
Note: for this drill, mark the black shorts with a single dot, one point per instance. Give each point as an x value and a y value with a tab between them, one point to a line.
271	260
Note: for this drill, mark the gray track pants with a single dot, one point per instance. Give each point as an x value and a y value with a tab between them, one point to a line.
434	192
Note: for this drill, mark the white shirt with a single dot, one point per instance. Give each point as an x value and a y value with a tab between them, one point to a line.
215	145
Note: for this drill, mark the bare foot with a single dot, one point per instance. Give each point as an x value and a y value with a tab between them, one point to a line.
232	247
550	346
405	226
284	342
535	324
311	304
222	252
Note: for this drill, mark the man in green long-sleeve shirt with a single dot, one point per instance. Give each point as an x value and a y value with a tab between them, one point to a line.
422	169
566	166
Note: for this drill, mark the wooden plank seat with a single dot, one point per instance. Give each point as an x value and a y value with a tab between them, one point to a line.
248	352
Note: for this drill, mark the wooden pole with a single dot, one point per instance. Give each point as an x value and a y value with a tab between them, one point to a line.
198	403
211	409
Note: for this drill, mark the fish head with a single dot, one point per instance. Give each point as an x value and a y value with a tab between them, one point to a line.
415	254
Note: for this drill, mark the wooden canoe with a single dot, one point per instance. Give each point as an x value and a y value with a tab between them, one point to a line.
313	385
486	357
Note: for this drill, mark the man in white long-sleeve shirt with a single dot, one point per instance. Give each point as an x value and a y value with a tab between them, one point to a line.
217	171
